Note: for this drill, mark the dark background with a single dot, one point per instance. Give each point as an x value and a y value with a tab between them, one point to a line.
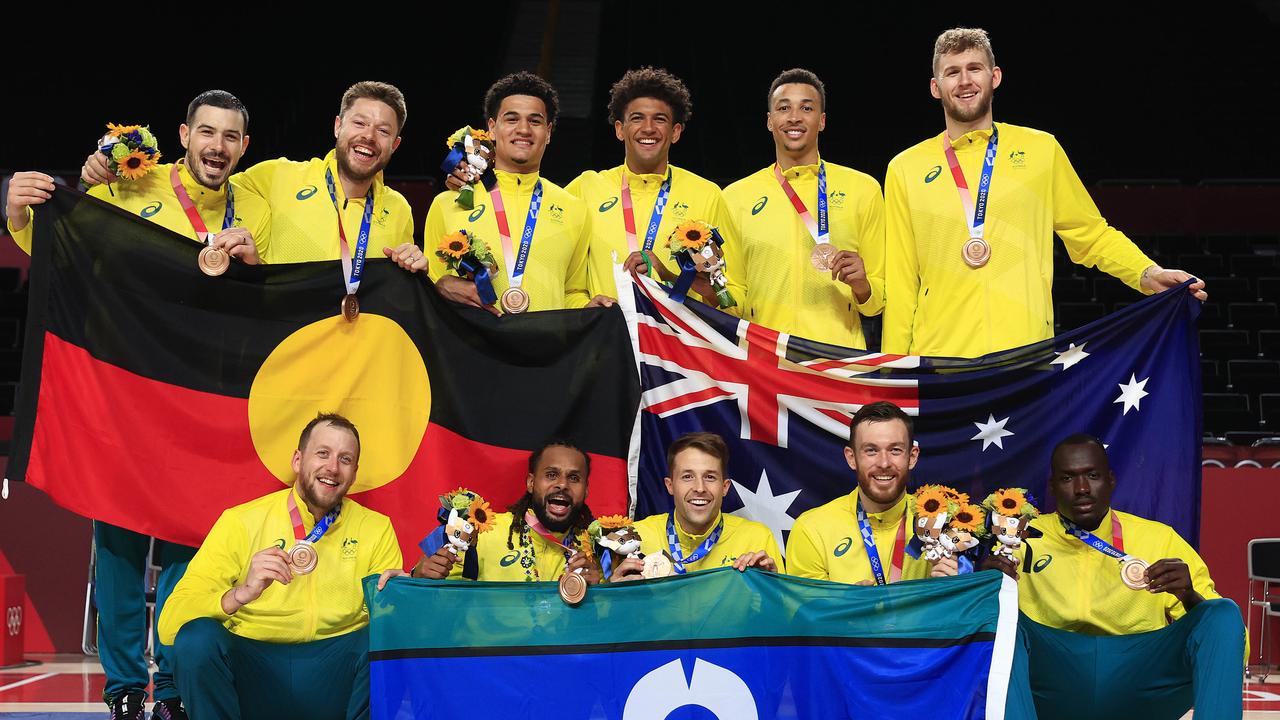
1145	90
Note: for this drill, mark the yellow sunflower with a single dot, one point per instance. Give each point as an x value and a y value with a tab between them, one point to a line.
481	136
117	130
956	496
480	515
690	235
1009	502
136	164
969	517
613	522
455	245
931	501
585	544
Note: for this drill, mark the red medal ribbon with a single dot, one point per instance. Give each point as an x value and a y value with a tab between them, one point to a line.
534	524
1117	532
189	207
296	516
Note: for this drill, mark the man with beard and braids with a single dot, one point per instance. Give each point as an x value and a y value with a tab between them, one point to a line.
829	542
215	136
539	537
270	619
957	285
704	537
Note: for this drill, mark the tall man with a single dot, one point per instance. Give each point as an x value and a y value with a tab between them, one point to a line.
537	539
831	542
971	215
215	137
706	538
1089	575
538	232
270	619
636	205
810	255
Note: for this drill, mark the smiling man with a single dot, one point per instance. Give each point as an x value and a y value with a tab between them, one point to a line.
636	205
810	255
538	232
705	538
215	136
1100	573
537	538
269	620
828	542
971	214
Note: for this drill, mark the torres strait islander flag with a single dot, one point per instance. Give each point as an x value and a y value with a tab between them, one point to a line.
713	644
784	404
153	396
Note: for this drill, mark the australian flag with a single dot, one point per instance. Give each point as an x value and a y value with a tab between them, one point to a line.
784	403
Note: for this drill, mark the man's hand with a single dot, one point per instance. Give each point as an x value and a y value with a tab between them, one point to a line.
631	568
1173	576
387	575
601	301
758	559
462	291
847	267
265	567
409	257
462	174
26	189
945	567
238	242
590	572
1157	279
437	565
97	170
866	583
636	262
1001	563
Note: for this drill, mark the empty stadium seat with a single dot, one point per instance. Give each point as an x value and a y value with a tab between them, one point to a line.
1253	316
1070	316
1253	376
1224	412
1226	345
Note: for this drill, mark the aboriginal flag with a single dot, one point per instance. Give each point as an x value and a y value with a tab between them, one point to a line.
153	396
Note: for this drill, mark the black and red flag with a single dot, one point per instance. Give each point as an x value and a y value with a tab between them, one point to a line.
153	396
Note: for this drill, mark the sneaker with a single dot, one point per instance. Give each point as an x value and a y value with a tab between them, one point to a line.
168	710
130	706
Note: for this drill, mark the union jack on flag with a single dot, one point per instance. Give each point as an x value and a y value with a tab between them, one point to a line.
783	404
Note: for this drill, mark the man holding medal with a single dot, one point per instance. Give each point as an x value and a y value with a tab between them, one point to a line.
861	538
971	215
810	253
283	630
539	232
637	205
1101	572
193	198
696	535
540	537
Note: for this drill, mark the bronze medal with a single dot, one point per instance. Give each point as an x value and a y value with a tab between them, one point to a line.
350	307
515	300
213	261
573	589
657	565
822	255
302	558
976	252
1133	572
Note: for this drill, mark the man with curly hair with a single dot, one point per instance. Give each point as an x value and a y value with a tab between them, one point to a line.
971	215
538	232
636	205
811	255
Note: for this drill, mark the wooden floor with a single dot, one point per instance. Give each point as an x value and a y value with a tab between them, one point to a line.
69	687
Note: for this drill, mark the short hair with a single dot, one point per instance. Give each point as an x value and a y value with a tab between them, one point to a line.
1079	439
709	443
219	99
335	420
380	91
536	456
802	77
521	83
881	411
958	40
650	82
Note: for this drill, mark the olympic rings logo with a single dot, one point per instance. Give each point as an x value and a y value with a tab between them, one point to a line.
14	619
